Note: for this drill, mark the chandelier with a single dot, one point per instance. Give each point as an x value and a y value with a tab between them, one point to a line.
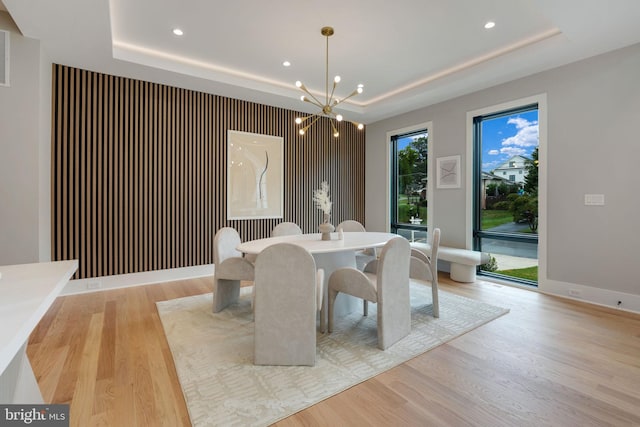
326	108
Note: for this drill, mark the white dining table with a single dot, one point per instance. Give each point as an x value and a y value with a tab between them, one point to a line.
329	255
26	293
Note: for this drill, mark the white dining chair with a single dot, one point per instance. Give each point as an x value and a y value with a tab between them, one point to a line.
288	297
424	268
286	229
384	281
362	256
229	268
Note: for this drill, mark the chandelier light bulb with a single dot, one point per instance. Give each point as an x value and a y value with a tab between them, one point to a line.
360	89
303	98
360	126
301	131
336	134
298	120
298	83
336	79
339	117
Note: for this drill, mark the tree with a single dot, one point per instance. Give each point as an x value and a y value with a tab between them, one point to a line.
531	177
504	189
421	147
407	157
524	208
419	168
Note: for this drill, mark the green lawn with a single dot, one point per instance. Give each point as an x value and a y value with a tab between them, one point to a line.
494	218
529	273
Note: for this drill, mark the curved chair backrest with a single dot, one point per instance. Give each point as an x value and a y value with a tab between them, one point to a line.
286	229
393	291
350	225
420	266
365	255
435	244
224	245
393	265
285	306
425	267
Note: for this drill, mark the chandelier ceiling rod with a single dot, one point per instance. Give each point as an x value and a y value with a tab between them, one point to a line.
326	109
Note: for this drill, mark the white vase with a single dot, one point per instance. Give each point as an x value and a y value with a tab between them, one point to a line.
326	228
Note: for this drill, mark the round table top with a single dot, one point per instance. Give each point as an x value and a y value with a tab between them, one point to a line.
312	242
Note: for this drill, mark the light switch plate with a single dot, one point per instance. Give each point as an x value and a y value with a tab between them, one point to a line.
594	199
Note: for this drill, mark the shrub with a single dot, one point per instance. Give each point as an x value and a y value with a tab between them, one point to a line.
525	209
502	206
492	265
504	188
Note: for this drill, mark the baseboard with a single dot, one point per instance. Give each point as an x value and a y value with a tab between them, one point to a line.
603	297
95	284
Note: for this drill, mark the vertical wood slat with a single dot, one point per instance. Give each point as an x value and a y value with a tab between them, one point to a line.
139	171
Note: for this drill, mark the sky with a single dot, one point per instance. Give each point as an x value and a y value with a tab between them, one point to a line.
508	136
503	138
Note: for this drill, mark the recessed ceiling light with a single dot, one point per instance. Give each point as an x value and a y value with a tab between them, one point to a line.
177	31
489	24
286	64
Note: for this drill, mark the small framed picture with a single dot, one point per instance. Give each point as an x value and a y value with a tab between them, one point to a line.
448	169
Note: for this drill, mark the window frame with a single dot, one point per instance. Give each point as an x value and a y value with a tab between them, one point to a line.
391	211
477	233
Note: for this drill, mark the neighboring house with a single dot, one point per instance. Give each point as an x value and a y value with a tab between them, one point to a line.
512	170
489	178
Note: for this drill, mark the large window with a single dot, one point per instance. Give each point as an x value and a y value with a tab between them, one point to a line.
409	177
505	217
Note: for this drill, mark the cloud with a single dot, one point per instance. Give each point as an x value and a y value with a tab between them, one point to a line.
491	165
519	122
493	152
513	151
527	135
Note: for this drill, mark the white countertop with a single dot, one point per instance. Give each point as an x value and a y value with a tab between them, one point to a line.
313	243
26	293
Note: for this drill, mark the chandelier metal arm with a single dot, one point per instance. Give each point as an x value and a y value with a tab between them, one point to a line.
329	102
317	102
354	93
302	120
304	129
335	131
314	102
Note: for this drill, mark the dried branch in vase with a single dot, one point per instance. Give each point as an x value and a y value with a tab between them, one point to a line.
322	199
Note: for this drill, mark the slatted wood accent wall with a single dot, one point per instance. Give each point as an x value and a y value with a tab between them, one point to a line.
139	172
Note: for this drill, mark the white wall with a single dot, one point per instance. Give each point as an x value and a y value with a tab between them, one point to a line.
593	115
25	121
44	161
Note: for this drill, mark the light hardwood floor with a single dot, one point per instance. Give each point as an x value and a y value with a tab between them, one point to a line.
549	362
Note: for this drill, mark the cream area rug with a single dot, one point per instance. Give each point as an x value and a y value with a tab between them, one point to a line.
213	354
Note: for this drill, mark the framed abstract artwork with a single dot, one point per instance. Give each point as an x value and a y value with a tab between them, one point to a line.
448	172
255	175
